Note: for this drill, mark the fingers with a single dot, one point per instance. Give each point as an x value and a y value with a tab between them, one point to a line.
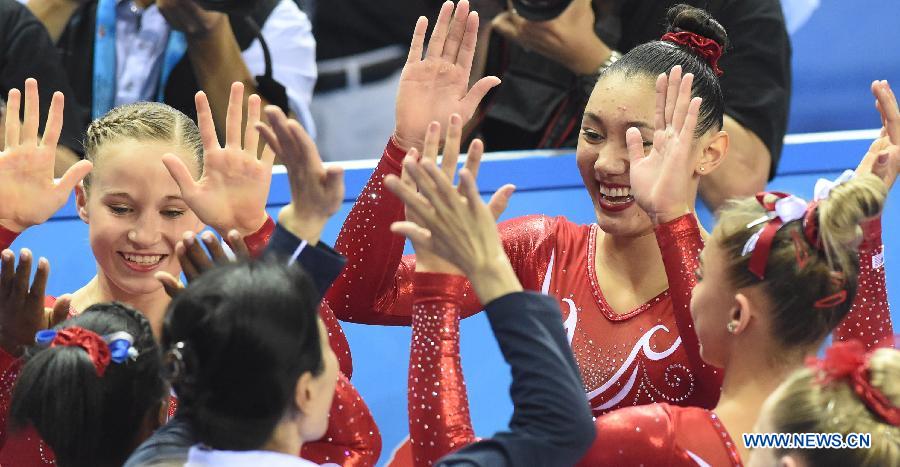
475	95
443	187
457	31
887	105
683	102
251	133
32	118
73	175
469	190
451	146
662	84
13	100
334	184
23	272
39	283
234	116
205	122
635	143
420	236
674	85
690	119
418	40
413	201
268	136
7	270
405	178
466	54
60	310
195	253
170	283
214	246
180	173
500	200
439	35
187	267
53	128
237	244
307	147
473	157
432	142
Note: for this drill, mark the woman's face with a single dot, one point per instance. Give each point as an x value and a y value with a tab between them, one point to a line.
136	214
616	104
322	388
712	300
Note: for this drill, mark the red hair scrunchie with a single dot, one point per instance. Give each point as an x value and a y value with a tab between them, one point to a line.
710	50
849	361
91	342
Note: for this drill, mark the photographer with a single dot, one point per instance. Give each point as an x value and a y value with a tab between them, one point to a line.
549	53
122	51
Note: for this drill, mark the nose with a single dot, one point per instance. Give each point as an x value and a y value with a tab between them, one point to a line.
612	159
145	232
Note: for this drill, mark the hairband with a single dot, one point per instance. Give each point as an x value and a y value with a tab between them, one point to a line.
116	347
849	361
710	50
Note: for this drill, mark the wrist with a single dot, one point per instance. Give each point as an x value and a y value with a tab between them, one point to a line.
405	144
303	226
12	227
494	280
670	215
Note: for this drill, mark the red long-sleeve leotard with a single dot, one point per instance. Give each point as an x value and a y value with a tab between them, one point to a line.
625	359
352	438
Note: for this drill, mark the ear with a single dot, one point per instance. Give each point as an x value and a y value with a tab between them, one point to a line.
713	153
81	203
741	313
303	392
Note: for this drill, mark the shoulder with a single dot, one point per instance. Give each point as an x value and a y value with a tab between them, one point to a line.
632	436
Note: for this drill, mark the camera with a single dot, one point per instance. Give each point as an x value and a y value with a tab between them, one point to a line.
228	6
540	10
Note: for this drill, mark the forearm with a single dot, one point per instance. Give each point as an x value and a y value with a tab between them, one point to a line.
744	171
54	14
217	62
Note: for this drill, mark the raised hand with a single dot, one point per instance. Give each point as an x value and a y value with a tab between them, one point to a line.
436	86
426	260
28	193
233	189
455	225
661	180
195	260
883	157
316	191
22	312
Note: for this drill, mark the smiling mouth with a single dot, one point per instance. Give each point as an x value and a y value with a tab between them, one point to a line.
615	196
143	261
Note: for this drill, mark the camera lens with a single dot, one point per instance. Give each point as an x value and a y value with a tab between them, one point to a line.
540	10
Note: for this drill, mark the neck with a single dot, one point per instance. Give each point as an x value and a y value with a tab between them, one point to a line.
285	439
100	289
630	265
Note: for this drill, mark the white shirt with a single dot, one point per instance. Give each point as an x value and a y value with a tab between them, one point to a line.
142	35
200	456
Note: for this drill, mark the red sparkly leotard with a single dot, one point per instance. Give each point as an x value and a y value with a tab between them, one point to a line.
647	355
655	434
352	438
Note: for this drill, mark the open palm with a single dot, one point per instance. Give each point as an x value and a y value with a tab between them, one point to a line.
29	193
436	86
233	189
661	180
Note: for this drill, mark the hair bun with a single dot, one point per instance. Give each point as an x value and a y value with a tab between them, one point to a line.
683	17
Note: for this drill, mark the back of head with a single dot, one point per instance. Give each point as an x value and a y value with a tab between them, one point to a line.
239	338
807	405
89	420
143	121
656	57
810	288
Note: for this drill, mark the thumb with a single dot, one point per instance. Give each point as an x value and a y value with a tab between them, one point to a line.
180	173
172	285
60	309
476	94
75	174
500	200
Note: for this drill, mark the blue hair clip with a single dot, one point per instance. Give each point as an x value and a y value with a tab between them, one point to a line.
120	346
44	337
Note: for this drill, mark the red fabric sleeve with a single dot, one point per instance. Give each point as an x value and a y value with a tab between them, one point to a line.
24	447
376	286
680	244
439	421
641	435
352	439
337	339
257	241
7	237
869	319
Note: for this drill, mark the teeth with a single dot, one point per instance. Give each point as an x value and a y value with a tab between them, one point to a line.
615	192
143	259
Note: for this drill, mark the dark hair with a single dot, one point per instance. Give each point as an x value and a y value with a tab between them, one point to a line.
239	338
89	420
797	322
656	57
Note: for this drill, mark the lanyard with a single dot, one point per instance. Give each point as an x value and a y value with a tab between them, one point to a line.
104	84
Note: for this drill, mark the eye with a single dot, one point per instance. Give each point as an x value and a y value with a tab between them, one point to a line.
591	136
172	213
119	210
